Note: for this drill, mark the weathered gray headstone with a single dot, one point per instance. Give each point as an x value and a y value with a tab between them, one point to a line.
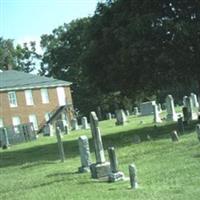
194	100
121	118
127	113
5	141
115	174
99	113
135	111
84	154
108	116
159	108
48	130
146	108
67	129
156	118
61	124
184	100
84	123
101	168
133	176
198	131
60	144
171	113
74	124
174	136
191	114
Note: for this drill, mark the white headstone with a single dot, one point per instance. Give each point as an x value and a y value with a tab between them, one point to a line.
171	113
84	154
120	117
194	100
84	123
156	114
74	124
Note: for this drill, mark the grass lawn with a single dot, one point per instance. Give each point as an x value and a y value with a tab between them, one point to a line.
166	170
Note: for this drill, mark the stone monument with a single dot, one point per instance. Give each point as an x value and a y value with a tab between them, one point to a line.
84	150
115	174
101	168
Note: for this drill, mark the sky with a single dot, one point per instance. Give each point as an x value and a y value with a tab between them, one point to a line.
27	20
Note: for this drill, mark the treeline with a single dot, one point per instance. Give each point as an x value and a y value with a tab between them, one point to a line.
128	51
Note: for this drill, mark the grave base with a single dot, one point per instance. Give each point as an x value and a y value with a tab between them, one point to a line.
113	177
83	169
100	170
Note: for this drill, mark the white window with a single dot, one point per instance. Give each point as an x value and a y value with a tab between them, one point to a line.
33	119
1	122
15	120
29	97
12	99
61	96
44	95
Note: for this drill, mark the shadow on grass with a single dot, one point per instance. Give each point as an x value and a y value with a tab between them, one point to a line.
47	154
61	174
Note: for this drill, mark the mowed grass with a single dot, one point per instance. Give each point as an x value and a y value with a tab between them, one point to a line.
166	170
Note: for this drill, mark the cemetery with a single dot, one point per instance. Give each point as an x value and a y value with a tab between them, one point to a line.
99	100
116	158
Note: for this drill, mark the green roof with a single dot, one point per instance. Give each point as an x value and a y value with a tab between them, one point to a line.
16	80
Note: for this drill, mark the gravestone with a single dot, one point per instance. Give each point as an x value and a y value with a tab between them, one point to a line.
4	140
171	113
60	144
146	108
198	131
133	176
99	113
186	116
156	118
67	129
159	108
108	116
121	118
101	168
61	123
194	100
189	105
115	174
135	111
180	125
74	124
127	113
84	123
48	130
84	154
184	100
174	136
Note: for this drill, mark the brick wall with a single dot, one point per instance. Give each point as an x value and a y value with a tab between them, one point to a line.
39	109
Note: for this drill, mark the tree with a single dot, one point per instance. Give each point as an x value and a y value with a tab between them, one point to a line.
21	58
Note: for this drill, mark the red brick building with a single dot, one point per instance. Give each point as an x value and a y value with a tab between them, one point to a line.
30	98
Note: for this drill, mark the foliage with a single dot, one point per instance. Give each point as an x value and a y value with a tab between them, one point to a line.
21	58
139	48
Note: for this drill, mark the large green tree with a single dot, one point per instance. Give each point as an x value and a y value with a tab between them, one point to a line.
133	48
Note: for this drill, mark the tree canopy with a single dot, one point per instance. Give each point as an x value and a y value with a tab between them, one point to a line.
133	48
17	57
